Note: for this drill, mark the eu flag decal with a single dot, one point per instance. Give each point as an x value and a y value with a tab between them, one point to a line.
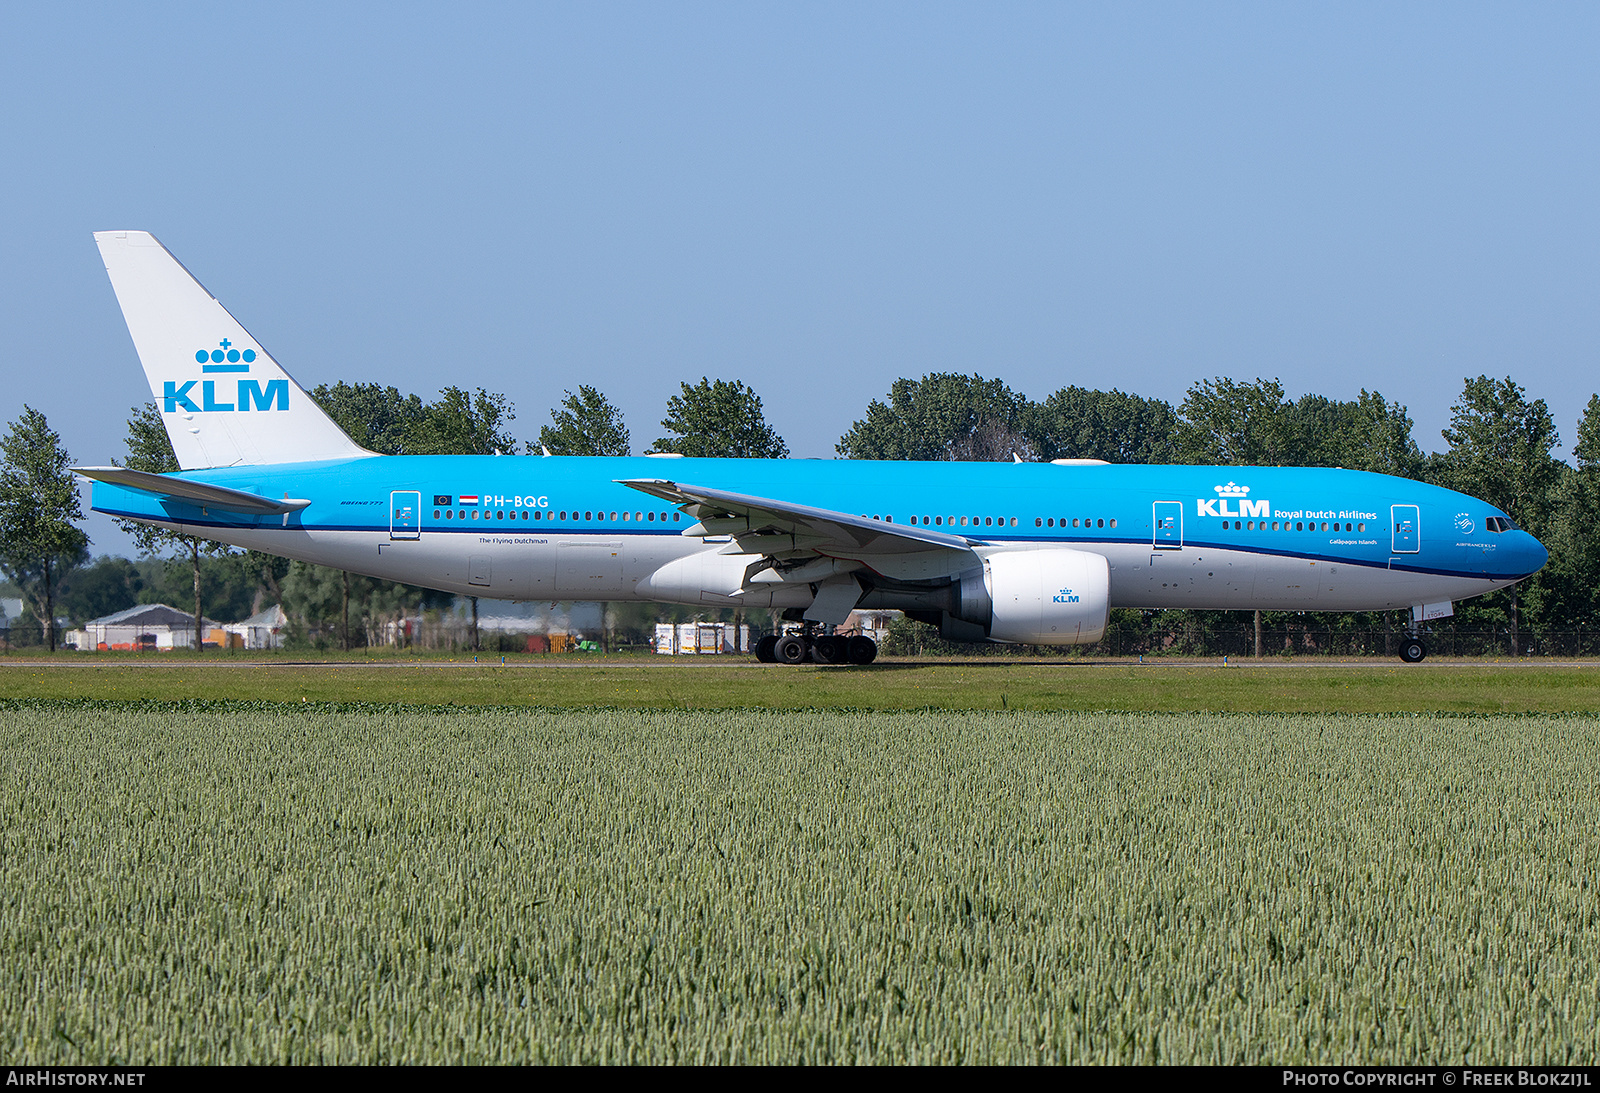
442	500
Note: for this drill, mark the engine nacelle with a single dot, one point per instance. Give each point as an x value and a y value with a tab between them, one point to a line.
1055	596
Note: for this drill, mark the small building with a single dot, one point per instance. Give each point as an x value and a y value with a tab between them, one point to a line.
873	624
147	628
263	630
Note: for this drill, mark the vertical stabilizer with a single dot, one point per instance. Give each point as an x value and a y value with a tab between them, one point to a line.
224	400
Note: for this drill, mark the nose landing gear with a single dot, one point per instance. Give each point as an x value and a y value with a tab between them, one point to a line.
1412	650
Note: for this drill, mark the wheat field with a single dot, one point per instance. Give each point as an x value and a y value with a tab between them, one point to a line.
231	883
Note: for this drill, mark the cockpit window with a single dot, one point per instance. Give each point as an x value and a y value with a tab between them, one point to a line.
1498	524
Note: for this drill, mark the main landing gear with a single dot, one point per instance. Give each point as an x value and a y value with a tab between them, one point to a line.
798	646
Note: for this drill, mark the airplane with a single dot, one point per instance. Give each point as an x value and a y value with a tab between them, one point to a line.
1024	553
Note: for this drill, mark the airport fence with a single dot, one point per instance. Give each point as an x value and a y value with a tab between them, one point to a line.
1190	637
1450	641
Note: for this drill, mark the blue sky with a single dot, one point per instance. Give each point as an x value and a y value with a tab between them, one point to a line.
813	199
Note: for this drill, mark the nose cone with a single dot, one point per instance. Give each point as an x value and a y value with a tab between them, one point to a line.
1530	554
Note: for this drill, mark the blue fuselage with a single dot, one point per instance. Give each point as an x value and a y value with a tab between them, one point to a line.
1175	536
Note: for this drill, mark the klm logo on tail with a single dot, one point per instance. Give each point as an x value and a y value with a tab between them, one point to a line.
225	354
248	394
1219	506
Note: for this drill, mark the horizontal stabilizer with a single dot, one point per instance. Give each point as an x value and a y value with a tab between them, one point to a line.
195	493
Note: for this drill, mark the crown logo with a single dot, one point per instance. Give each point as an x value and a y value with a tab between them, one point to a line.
1230	490
226	353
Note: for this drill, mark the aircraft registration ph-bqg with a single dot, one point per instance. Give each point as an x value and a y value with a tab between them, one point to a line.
1020	552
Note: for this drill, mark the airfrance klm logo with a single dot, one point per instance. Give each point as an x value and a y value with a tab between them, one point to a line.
246	395
1220	506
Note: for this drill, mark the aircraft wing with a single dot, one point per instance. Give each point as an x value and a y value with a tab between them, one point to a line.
194	493
800	542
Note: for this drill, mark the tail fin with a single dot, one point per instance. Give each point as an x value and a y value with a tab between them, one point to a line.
223	399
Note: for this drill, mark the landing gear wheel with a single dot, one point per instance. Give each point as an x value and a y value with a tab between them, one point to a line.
862	650
1412	651
829	650
764	649
790	649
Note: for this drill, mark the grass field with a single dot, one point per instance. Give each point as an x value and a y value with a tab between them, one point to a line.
286	883
707	683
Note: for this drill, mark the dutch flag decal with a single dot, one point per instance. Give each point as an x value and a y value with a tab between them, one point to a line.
467	499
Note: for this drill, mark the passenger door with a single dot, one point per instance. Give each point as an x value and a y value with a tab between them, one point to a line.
405	514
1167	517
1407	525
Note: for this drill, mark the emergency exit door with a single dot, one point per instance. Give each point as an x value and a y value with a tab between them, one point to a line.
405	514
1168	520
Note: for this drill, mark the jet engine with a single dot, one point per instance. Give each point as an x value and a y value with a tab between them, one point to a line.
1056	596
1051	596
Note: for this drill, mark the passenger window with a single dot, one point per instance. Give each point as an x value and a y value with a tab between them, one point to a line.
1113	521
